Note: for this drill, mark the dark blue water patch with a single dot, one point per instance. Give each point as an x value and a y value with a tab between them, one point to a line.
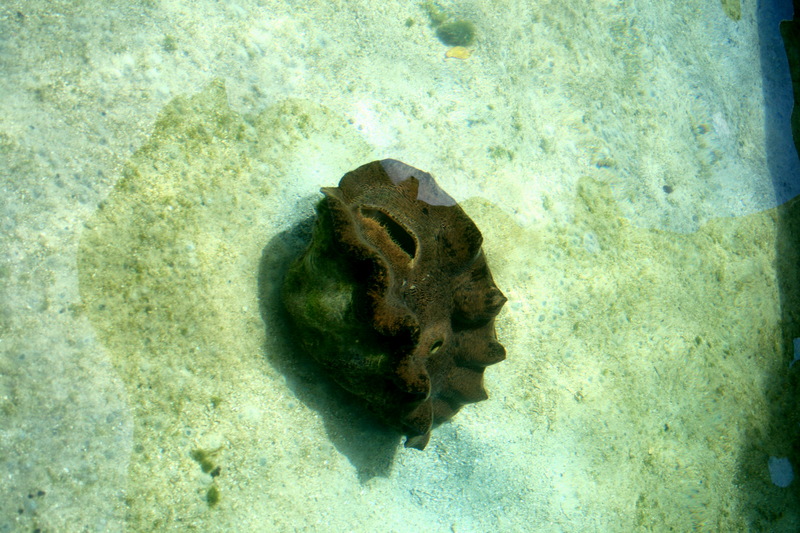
782	157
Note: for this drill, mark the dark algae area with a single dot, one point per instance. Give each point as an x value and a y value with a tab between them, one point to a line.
456	33
450	30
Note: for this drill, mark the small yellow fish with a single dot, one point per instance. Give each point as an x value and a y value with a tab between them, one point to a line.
458	52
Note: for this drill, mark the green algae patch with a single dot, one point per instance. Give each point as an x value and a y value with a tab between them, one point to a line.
732	8
204	459
168	270
212	496
659	360
449	30
456	33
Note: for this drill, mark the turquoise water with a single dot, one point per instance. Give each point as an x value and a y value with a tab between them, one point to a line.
631	168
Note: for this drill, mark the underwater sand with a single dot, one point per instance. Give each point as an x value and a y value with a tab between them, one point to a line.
161	161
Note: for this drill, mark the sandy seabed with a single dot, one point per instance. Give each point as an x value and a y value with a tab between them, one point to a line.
161	160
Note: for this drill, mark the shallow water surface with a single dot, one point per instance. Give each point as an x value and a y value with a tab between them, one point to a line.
631	168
